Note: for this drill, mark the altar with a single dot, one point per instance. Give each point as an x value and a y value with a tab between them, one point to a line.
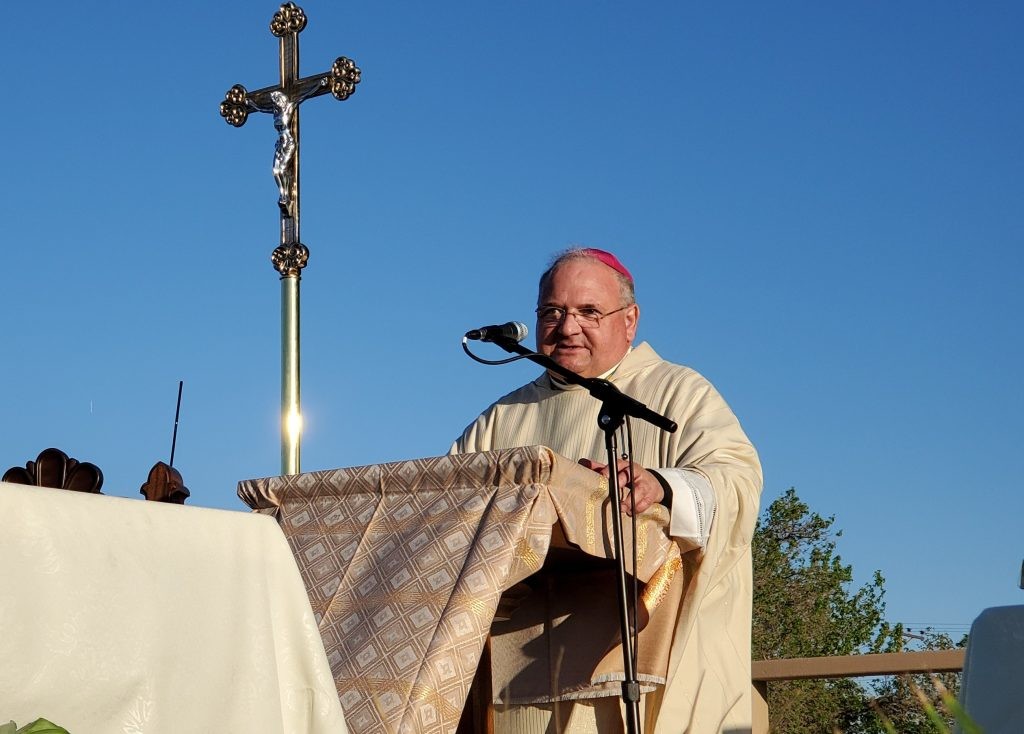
119	615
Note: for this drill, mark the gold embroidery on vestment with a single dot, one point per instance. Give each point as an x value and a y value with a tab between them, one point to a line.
657	588
594	506
642	529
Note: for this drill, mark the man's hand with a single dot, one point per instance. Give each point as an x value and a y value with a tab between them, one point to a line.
647	491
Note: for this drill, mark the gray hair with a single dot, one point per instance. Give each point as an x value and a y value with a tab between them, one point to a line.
626	290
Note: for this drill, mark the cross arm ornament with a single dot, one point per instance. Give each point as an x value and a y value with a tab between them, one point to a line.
340	81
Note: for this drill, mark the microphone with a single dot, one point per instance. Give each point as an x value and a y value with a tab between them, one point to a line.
513	330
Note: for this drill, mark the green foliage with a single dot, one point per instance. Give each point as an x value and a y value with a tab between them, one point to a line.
804	606
39	726
952	705
926	702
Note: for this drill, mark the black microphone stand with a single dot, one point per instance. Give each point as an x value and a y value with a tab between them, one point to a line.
615	406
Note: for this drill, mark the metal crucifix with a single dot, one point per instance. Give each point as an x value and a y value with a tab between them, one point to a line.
290	257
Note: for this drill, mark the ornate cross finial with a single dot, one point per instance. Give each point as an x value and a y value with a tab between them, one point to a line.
282	101
289	19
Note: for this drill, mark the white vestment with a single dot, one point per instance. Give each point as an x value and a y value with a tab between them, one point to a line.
708	676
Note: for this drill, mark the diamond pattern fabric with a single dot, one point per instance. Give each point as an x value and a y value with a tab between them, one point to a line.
405	564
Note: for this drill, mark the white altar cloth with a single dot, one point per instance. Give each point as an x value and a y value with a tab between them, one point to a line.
134	617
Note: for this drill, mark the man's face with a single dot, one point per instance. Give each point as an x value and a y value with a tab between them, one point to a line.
586	284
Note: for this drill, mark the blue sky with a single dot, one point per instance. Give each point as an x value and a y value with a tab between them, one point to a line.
820	203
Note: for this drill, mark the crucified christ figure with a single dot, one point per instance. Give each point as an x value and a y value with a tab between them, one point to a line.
282	107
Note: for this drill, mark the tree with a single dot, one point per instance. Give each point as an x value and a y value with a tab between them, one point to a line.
898	698
804	607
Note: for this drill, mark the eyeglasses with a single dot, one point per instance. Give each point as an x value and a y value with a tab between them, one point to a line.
586	318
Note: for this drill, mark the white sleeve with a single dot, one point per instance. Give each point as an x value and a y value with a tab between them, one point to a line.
693	505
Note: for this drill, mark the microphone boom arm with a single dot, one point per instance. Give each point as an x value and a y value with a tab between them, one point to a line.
603	390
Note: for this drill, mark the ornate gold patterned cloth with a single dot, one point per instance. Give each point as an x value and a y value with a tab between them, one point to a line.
405	564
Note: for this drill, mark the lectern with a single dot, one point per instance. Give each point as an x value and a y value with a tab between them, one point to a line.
407	563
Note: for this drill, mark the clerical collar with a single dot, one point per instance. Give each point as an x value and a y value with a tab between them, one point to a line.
560	384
